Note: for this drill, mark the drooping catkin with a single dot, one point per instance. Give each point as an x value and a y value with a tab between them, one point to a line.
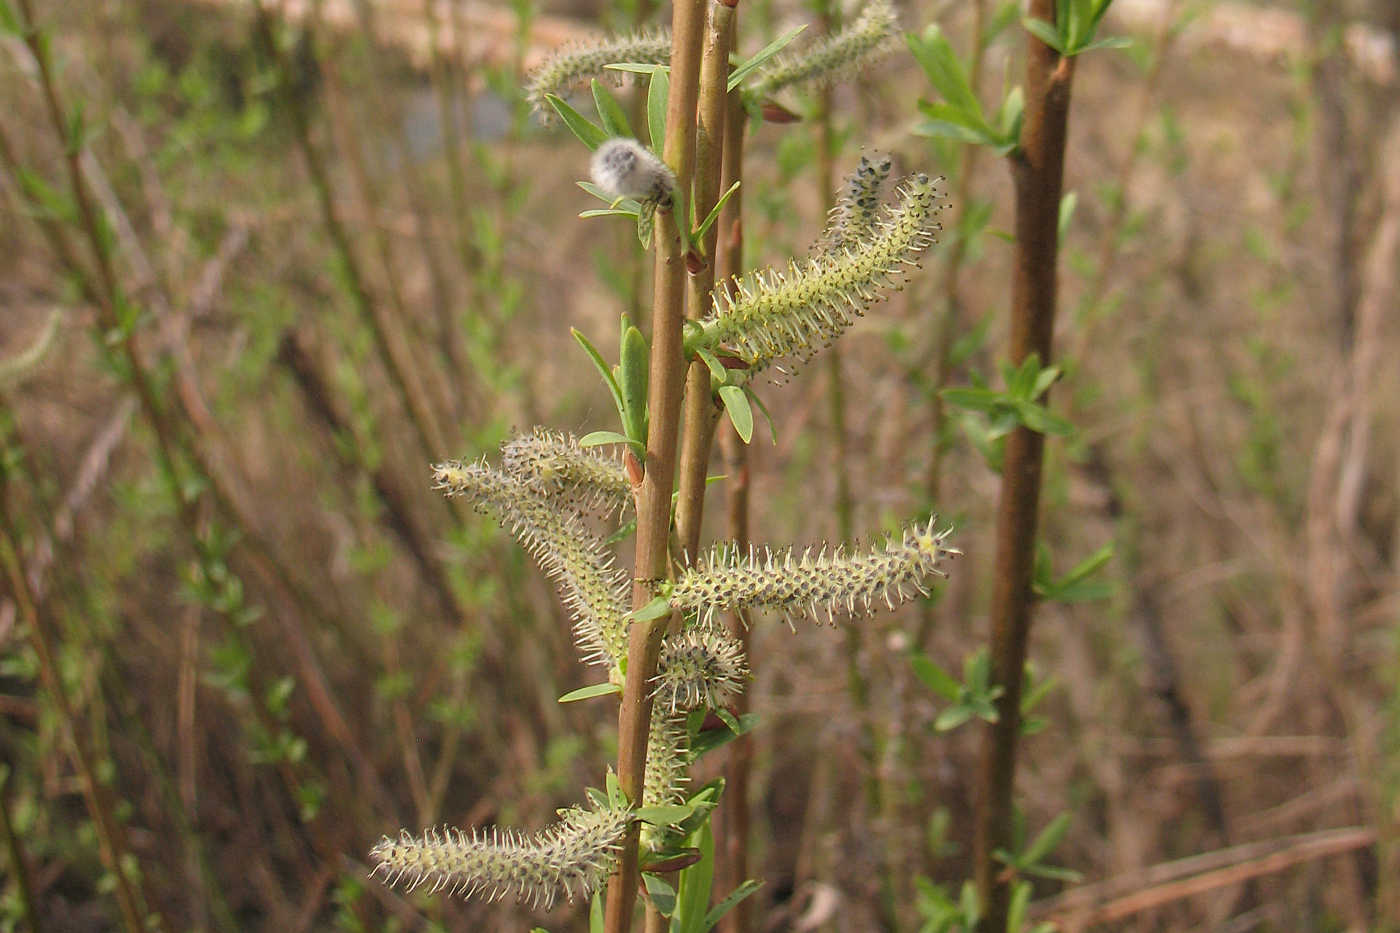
857	206
553	463
573	857
572	66
817	583
770	316
668	768
829	60
592	588
702	667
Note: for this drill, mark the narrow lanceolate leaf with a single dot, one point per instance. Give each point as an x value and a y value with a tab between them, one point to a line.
577	64
816	583
595	591
572	858
772	316
700	668
862	42
553	463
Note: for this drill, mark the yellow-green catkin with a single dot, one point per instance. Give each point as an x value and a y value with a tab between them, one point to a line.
553	463
576	64
593	589
868	37
816	583
857	207
572	858
772	316
668	768
702	667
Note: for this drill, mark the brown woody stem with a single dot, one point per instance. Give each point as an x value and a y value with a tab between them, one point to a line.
667	374
1037	170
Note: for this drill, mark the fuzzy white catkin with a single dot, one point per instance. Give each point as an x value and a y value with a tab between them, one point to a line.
624	168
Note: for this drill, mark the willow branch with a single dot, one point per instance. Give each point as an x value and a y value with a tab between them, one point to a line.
666	378
1037	171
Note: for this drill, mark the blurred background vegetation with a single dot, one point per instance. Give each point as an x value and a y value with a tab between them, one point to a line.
315	249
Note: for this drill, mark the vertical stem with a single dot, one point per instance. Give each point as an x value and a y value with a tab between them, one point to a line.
701	412
1037	170
732	820
667	374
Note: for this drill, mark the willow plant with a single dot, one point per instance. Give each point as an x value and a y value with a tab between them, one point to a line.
657	634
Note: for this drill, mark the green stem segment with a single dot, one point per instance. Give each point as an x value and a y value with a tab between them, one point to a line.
667	374
1037	170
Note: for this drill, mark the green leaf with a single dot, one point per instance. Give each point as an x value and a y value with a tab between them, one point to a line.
630	205
704	227
740	414
616	797
1067	205
952	717
589	692
602	368
967	901
718	911
772	428
1047	33
737	76
984	400
1112	42
657	92
1048	839
595	914
607	212
1031	697
711	739
1043	381
959	132
1021	382
717	370
1085	591
1009	116
662	895
598	438
945	71
935	678
1039	418
1053	873
726	717
694	894
658	608
589	133
942	111
1089	564
664	815
1016	910
610	111
635	365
